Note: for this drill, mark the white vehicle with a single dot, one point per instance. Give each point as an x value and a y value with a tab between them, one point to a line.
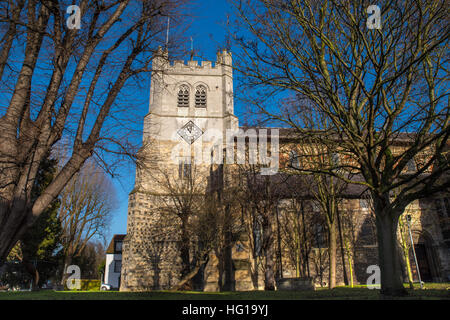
105	287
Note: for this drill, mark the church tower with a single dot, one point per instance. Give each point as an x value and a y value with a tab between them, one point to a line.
191	107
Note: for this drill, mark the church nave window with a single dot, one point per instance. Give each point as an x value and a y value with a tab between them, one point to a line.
184	170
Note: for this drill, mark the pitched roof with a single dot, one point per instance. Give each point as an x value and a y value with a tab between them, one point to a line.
289	133
303	186
115	238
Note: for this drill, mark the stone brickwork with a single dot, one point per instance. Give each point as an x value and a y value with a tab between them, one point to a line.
151	249
153	260
151	255
426	230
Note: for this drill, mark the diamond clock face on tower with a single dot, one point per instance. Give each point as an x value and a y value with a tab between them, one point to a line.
190	132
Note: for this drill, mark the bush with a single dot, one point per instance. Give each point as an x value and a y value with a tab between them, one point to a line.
14	275
87	285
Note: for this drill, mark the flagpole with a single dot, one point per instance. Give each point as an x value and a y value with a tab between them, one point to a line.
167	33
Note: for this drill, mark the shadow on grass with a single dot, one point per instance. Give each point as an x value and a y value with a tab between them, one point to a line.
431	292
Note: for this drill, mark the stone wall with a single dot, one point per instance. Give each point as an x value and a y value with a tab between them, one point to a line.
151	255
151	248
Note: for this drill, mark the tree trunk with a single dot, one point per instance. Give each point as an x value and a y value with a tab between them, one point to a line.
298	253
350	266
269	276
305	243
17	214
344	270
350	262
11	228
228	283
332	255
279	254
388	255
254	272
228	275
184	250
32	270
220	267
65	275
185	281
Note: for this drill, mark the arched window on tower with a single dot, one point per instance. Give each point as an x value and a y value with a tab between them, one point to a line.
183	96
200	97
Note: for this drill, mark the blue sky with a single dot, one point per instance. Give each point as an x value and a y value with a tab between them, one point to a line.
208	33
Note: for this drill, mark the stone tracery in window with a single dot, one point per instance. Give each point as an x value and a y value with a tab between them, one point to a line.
183	96
200	97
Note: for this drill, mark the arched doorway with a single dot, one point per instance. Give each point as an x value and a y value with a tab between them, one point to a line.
426	258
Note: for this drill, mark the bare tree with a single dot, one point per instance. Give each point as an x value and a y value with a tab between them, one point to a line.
223	197
90	261
297	234
86	205
291	234
325	190
193	198
259	192
59	81
252	228
184	196
210	232
348	233
377	88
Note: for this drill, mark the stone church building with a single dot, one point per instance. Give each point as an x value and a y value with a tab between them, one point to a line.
191	104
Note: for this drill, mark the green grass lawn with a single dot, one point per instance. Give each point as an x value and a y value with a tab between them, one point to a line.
433	291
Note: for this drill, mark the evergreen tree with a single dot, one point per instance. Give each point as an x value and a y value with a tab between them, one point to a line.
40	243
37	250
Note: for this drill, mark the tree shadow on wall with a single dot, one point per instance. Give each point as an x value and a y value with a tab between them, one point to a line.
433	224
366	250
147	268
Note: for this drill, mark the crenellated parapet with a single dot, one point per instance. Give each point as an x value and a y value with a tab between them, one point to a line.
222	65
181	64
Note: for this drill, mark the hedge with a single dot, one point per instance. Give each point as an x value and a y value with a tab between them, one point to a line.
86	285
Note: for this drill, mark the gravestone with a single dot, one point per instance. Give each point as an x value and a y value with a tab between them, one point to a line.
295	284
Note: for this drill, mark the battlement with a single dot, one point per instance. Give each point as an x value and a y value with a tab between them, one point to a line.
180	64
223	61
169	76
